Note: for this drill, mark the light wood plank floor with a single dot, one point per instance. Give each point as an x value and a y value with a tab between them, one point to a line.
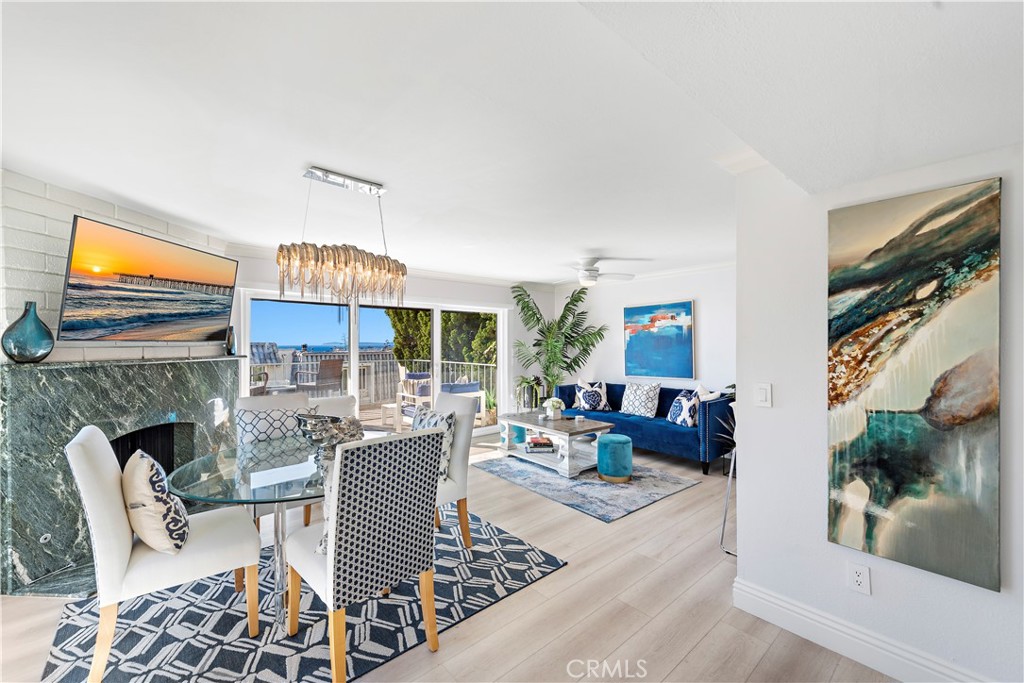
652	586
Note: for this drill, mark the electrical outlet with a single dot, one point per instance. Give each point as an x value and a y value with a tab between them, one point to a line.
858	578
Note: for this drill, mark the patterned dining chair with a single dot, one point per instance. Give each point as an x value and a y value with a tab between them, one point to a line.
382	512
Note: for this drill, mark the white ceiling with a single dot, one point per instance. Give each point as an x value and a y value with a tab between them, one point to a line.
832	93
512	137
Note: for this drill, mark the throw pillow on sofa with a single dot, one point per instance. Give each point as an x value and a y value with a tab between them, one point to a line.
592	396
684	408
706	394
641	399
155	514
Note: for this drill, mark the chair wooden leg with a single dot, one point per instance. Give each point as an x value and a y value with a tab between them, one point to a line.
307	514
427	604
239	579
464	522
437	518
104	639
384	592
257	523
252	599
294	590
336	636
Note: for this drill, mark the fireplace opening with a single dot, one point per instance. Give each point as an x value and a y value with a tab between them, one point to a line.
163	442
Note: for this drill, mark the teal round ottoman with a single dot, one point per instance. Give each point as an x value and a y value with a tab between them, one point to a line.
615	458
518	434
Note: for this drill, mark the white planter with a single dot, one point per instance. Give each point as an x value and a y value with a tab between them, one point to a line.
554	413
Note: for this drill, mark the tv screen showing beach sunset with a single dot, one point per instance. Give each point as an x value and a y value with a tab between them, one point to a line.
122	285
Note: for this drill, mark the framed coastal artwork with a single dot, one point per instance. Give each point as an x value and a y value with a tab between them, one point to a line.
913	380
659	340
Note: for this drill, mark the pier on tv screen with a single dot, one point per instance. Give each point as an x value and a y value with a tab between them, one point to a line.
125	286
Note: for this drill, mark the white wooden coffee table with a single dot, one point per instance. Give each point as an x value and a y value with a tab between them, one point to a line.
573	452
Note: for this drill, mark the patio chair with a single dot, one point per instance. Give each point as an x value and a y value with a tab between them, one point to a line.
381	507
326	379
413	390
218	541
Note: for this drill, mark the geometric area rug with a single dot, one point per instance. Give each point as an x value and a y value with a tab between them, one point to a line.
588	493
197	631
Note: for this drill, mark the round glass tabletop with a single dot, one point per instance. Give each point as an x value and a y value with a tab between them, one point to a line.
270	471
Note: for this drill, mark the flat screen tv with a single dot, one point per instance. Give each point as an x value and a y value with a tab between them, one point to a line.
125	286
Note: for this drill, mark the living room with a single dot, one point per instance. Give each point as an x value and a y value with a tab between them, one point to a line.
565	148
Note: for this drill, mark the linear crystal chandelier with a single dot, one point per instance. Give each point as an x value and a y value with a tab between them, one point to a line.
343	272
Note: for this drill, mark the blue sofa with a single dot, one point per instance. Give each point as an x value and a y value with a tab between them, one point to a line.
701	443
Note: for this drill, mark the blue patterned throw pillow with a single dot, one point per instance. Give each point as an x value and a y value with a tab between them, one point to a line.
684	408
591	396
156	515
641	399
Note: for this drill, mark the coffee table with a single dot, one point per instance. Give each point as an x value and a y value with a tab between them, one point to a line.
572	453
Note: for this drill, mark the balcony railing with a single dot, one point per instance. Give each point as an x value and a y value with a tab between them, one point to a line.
379	373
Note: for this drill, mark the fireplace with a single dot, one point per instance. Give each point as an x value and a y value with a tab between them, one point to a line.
161	442
44	538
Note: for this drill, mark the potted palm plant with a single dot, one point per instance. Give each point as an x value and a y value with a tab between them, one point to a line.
563	344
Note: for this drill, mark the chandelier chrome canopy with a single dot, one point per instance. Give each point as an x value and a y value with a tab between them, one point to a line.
343	272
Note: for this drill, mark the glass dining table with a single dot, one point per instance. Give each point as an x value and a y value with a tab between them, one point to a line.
278	471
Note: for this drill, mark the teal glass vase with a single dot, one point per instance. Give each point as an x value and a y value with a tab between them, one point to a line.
27	339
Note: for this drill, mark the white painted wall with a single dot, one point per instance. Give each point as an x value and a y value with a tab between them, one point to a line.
916	625
713	290
37	219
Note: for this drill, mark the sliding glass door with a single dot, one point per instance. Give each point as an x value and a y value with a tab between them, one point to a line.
396	363
469	359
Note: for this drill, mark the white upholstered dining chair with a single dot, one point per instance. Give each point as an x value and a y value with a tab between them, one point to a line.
337	406
293	401
455	486
218	541
381	506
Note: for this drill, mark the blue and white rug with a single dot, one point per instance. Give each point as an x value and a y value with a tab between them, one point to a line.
587	493
198	632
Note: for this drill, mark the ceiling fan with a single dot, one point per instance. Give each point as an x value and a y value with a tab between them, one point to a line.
588	273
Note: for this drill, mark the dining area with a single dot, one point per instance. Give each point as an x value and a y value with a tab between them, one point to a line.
326	600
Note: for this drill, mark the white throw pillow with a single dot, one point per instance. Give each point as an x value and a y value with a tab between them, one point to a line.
641	399
706	394
591	396
156	515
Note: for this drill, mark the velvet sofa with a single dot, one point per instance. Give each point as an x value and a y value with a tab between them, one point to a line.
702	443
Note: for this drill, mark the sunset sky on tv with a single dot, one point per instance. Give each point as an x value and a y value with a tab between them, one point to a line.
101	251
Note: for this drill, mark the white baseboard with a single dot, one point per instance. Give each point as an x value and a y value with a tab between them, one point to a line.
895	659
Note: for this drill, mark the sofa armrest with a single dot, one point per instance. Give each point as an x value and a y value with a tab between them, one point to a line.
712	416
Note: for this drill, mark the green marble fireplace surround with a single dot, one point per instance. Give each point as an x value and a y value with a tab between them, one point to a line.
43	533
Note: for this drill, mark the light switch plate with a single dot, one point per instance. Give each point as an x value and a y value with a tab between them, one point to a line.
763	395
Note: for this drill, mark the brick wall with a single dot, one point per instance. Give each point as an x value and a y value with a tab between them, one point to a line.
36	218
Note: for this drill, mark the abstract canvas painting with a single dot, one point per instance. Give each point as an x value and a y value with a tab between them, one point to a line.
659	340
913	380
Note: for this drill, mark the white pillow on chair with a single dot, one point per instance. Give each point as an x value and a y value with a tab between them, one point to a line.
156	515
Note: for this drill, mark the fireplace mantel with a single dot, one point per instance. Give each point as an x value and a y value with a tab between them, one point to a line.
43	532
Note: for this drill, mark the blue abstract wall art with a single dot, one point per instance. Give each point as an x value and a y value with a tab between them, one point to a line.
659	340
913	380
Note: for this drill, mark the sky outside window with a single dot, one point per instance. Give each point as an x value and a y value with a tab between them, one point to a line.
290	323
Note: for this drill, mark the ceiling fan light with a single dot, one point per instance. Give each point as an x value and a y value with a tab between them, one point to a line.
588	280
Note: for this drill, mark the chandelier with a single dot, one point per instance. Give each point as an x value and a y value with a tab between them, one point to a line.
343	272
